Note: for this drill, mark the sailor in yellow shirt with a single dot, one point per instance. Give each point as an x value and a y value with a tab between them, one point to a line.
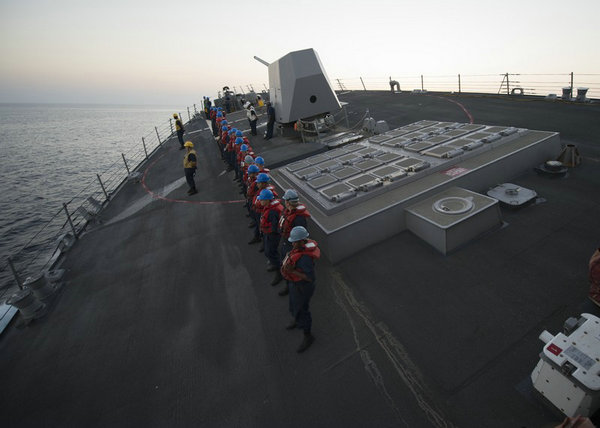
189	166
179	129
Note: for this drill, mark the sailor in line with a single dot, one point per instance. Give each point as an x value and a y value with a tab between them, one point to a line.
207	104
294	215
269	221
299	269
293	257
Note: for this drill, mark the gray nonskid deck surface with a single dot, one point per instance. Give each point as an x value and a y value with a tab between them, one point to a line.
167	318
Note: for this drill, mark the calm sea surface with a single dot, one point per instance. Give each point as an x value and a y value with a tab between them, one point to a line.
51	152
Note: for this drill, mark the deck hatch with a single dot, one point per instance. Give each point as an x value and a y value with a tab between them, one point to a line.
347	171
322	181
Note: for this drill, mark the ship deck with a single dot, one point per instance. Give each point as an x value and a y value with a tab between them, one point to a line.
167	319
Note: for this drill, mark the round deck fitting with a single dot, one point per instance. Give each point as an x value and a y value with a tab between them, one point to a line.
453	205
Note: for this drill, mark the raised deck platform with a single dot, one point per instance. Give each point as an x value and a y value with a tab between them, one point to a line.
358	193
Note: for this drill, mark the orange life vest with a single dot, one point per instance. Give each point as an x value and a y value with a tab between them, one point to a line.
288	267
286	220
265	225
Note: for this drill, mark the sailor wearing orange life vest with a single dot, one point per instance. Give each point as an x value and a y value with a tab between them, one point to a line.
299	269
269	221
244	165
260	163
256	208
294	215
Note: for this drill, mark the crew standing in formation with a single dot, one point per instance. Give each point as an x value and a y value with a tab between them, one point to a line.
280	226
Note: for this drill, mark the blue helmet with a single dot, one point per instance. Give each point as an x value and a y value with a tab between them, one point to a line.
224	128
224	122
290	195
238	140
243	147
298	233
219	114
248	158
234	129
253	169
265	195
262	178
259	160
219	108
238	133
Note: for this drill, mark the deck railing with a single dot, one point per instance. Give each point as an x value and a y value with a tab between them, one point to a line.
69	220
501	83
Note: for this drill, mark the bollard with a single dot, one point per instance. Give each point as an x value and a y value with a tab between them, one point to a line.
53	276
459	89
29	306
41	288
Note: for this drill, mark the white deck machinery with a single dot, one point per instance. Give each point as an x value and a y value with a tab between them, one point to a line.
568	373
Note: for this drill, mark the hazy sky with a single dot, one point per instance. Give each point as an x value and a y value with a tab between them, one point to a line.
160	52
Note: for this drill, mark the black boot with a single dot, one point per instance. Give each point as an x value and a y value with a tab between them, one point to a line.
254	240
277	279
285	290
291	325
306	342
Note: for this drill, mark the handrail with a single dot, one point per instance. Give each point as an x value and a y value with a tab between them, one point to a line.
45	240
530	83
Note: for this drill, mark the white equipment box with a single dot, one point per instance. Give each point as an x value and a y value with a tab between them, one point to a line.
568	373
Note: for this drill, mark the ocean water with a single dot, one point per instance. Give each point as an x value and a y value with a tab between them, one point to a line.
51	152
